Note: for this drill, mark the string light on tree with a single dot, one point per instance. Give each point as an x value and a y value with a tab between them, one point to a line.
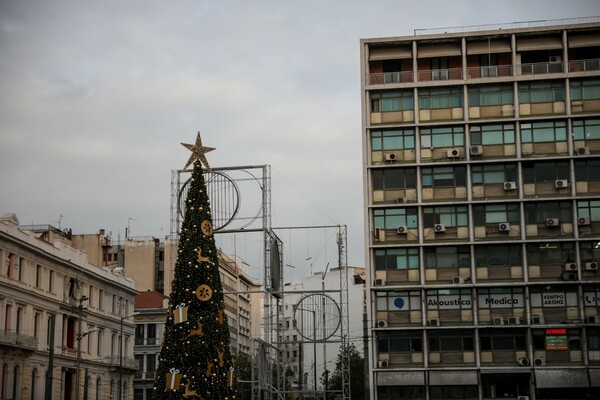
195	360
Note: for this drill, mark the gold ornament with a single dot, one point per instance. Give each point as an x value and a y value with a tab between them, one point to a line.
209	369
203	292
197	332
221	316
198	152
201	258
221	354
206	227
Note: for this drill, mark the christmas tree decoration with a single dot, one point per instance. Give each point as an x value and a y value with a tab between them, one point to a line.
180	313
195	358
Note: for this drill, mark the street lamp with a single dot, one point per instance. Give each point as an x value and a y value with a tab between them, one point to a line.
79	337
121	354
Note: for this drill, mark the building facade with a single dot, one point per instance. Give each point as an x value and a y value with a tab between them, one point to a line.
58	309
481	155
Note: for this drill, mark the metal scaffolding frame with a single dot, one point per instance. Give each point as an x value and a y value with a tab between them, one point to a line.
268	376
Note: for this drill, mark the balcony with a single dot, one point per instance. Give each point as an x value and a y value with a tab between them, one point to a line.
584	65
491	71
146	341
382	78
541	68
13	339
443	74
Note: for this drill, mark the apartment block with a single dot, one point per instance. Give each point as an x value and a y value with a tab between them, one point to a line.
481	161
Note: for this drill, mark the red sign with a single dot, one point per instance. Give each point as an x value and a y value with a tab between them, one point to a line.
556	331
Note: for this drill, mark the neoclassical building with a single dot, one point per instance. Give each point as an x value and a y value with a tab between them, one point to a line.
59	310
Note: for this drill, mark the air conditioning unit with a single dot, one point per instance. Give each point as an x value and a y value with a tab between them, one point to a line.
592	319
584	221
510	185
376	233
453	153
569	276
457	280
383	364
476	150
434	322
561	183
536	320
391	157
570	267
403	229
591	266
379	282
401	200
513	321
583	151
498	321
524	362
552	222
504	227
538	362
555	59
523	398
382	323
439	228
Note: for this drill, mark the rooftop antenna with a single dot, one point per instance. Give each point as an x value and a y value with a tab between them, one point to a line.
128	231
60	217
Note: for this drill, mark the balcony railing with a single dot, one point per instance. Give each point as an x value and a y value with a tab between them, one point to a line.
18	340
541	68
146	341
490	71
584	65
391	77
443	74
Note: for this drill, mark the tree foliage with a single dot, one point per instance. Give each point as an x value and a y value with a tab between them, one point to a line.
356	369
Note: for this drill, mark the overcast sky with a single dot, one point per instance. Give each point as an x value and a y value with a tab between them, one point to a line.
96	96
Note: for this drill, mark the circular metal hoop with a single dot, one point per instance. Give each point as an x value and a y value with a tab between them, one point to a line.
317	317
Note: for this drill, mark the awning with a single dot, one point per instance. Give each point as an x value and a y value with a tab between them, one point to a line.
561	378
399	378
389	53
485	47
438	50
594	376
447	378
541	43
584	41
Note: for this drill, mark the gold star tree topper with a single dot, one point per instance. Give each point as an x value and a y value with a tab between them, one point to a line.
198	152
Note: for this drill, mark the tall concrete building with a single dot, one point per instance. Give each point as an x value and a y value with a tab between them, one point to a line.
481	154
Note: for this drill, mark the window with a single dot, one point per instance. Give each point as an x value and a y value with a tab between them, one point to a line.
449	299
70	339
139	334
547	131
590	209
397	100
100	349
541	172
585	89
541	92
439	68
586	129
392	218
435	98
538	213
51	281
447	257
150	363
393	139
399	342
498	255
505	340
492	174
587	170
490	95
447	136
589	251
493	134
38	276
400	392
19	324
444	176
398	301
558	253
449	216
36	324
11	264
394	178
151	332
399	258
495	214
444	341
453	392
101	300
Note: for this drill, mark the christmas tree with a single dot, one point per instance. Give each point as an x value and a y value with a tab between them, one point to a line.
195	359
